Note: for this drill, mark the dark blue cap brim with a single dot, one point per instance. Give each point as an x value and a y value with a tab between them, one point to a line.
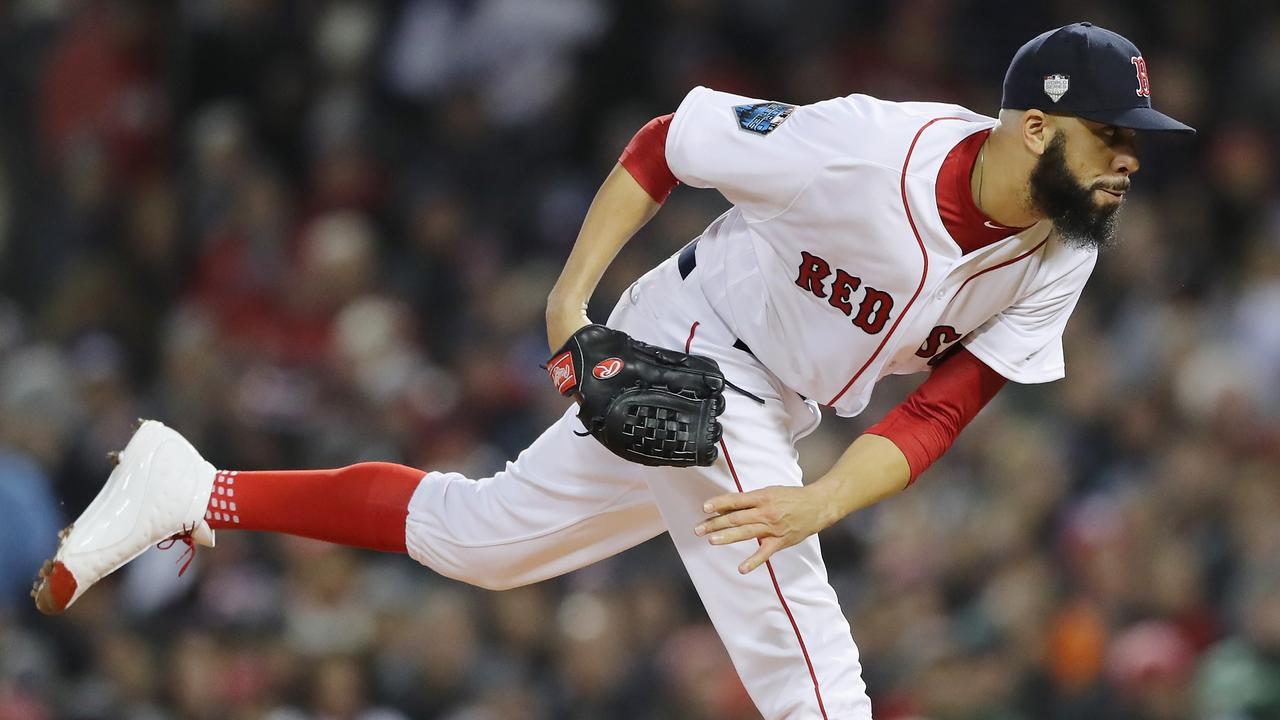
1138	118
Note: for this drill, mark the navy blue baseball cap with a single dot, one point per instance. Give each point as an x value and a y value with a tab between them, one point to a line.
1089	72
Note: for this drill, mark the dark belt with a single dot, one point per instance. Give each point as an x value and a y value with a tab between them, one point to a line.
686	262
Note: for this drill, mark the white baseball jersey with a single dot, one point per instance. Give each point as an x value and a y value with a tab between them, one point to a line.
834	265
835	269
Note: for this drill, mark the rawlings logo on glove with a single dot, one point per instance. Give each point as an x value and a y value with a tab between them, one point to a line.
606	369
646	404
560	370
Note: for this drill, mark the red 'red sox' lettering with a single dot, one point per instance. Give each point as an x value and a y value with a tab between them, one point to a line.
873	310
873	313
813	270
938	337
841	287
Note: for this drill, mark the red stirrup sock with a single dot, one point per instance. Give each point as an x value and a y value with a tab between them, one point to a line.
362	505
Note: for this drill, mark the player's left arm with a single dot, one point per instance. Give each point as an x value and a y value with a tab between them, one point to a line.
884	460
629	197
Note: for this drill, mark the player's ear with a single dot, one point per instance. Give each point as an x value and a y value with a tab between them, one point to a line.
1035	131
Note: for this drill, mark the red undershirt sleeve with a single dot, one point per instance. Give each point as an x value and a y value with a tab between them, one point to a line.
925	424
645	157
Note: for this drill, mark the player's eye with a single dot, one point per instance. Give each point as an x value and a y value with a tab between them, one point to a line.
1112	135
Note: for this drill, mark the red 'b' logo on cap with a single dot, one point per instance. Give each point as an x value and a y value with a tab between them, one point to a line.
607	368
1144	82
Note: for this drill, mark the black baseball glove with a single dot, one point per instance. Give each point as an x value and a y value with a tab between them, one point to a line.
646	404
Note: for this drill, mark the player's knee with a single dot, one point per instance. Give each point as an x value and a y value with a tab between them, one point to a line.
450	531
484	573
498	569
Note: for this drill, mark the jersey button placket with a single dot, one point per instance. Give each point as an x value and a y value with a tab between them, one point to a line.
944	287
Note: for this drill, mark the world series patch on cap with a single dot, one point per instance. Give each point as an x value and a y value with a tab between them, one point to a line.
1089	72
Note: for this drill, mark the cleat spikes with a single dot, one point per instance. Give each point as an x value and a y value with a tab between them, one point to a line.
113	457
42	576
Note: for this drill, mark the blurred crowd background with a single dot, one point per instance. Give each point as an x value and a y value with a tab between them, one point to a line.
312	232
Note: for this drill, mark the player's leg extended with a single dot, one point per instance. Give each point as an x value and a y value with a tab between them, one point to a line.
540	517
564	503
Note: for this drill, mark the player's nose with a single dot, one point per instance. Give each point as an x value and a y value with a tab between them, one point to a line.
1125	162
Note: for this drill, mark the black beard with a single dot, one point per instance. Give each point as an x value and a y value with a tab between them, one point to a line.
1056	193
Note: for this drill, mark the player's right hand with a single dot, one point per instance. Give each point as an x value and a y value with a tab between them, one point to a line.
778	517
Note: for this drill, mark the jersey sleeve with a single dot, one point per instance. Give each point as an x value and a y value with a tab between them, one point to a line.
758	154
925	425
1024	342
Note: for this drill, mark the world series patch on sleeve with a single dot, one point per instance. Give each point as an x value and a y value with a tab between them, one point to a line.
762	118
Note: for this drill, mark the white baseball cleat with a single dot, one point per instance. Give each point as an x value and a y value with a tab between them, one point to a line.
159	490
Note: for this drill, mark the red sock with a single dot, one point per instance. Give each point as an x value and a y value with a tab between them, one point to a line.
362	505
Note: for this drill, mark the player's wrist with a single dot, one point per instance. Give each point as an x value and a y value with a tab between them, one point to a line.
563	320
830	501
558	333
872	469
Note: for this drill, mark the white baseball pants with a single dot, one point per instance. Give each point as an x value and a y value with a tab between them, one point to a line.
566	502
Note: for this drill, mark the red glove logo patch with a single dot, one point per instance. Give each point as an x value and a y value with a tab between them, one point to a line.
560	370
607	368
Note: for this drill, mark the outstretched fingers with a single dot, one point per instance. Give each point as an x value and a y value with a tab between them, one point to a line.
738	517
753	531
777	517
728	502
731	519
768	546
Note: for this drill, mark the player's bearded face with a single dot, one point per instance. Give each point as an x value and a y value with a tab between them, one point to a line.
1061	197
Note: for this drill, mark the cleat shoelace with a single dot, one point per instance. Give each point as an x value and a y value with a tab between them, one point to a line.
185	536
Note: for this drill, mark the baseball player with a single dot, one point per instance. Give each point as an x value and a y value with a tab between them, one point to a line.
866	238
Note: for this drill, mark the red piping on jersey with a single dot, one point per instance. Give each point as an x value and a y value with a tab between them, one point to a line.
778	590
692	329
1024	255
924	272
